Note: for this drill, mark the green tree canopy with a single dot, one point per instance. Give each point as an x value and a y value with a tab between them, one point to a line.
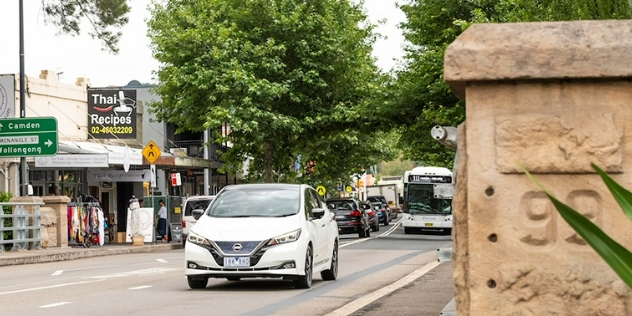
419	97
290	77
104	16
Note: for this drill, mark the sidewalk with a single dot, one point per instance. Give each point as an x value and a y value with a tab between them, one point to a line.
8	258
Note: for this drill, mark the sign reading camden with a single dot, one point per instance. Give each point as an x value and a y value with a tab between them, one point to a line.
28	137
112	113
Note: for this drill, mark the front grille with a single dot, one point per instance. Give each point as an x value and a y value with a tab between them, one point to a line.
221	249
247	247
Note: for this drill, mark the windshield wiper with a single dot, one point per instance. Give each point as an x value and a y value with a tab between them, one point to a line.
285	215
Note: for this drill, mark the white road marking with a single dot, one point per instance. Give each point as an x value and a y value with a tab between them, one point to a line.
143	272
140	287
161	260
368	299
58	272
47	287
54	305
384	234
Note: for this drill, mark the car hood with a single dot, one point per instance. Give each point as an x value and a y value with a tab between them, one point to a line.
244	228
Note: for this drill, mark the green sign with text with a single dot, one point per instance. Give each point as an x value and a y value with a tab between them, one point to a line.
28	137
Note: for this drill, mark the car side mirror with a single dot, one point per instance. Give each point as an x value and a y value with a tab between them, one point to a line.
197	213
318	213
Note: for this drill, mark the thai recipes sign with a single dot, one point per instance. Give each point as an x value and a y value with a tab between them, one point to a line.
112	113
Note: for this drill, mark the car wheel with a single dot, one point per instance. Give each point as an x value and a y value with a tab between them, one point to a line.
368	231
197	284
362	232
305	281
233	278
386	221
332	273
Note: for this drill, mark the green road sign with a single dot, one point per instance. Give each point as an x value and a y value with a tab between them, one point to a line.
30	136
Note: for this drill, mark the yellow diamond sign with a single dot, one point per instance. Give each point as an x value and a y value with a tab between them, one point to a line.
151	152
321	190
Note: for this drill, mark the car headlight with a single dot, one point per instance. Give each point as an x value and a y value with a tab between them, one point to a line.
285	238
197	239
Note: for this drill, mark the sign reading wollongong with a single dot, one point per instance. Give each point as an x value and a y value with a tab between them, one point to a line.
112	113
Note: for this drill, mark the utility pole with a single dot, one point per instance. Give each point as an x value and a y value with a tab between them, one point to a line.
23	166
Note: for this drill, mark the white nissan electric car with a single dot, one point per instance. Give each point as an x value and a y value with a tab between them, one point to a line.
267	230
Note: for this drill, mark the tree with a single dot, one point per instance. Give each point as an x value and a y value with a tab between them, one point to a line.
103	16
419	98
290	77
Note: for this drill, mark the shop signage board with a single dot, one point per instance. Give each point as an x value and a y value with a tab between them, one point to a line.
73	161
28	137
112	113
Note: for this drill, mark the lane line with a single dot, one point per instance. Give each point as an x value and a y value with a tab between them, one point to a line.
368	299
58	272
140	287
384	234
54	304
49	287
161	260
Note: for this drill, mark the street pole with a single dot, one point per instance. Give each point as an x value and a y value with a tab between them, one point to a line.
23	166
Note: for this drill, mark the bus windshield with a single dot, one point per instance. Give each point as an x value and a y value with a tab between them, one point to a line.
421	201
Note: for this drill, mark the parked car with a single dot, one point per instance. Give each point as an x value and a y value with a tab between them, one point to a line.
269	230
383	213
351	217
191	204
382	199
373	219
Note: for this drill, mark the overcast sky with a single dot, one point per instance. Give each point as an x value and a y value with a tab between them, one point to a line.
81	56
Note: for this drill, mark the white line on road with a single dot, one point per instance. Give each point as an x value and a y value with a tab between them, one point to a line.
368	299
54	305
58	272
47	287
161	260
143	272
140	287
384	234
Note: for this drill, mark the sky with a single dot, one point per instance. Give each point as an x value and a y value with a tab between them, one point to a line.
82	56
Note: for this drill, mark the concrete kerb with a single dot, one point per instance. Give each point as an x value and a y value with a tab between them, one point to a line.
62	254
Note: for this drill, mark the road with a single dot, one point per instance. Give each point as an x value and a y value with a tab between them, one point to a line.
154	283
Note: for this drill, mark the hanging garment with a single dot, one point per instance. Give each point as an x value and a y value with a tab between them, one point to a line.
101	226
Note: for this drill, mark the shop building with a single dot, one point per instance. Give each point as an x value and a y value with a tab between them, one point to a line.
101	136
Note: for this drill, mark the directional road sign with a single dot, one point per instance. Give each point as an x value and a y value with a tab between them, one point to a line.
151	152
28	137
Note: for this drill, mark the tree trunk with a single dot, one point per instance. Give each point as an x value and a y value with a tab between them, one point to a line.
267	162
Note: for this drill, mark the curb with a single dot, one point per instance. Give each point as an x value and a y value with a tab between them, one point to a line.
62	254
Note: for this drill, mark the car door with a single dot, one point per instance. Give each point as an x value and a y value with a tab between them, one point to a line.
318	225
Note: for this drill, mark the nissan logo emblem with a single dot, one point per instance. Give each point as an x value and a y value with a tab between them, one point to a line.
237	247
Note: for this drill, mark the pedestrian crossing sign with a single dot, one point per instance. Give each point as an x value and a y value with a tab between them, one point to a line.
151	152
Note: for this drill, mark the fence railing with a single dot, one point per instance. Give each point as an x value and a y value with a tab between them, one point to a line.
24	233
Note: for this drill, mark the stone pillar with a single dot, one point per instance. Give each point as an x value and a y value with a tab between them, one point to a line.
553	97
60	206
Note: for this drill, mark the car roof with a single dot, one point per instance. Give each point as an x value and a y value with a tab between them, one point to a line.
251	186
200	197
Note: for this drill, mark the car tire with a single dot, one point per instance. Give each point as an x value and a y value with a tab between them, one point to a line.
362	232
332	273
407	230
368	231
197	284
386	221
305	281
233	278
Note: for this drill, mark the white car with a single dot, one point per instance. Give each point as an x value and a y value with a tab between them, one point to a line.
267	230
193	203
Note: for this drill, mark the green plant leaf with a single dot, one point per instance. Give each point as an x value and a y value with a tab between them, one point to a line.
616	256
620	194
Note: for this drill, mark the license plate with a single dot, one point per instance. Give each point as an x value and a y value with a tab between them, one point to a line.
429	224
237	262
340	216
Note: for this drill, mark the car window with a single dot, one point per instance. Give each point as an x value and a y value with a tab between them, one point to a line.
341	205
195	204
261	202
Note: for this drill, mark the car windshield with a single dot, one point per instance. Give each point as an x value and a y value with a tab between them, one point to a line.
196	204
257	202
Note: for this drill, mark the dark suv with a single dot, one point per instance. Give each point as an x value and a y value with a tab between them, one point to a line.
351	217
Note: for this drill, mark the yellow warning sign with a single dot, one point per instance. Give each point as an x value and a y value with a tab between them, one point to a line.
151	152
321	190
349	189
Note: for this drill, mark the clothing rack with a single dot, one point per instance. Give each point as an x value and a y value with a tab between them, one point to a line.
85	222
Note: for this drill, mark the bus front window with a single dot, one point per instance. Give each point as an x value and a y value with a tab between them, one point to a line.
421	201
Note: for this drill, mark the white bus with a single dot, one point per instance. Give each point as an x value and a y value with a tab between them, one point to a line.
428	193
